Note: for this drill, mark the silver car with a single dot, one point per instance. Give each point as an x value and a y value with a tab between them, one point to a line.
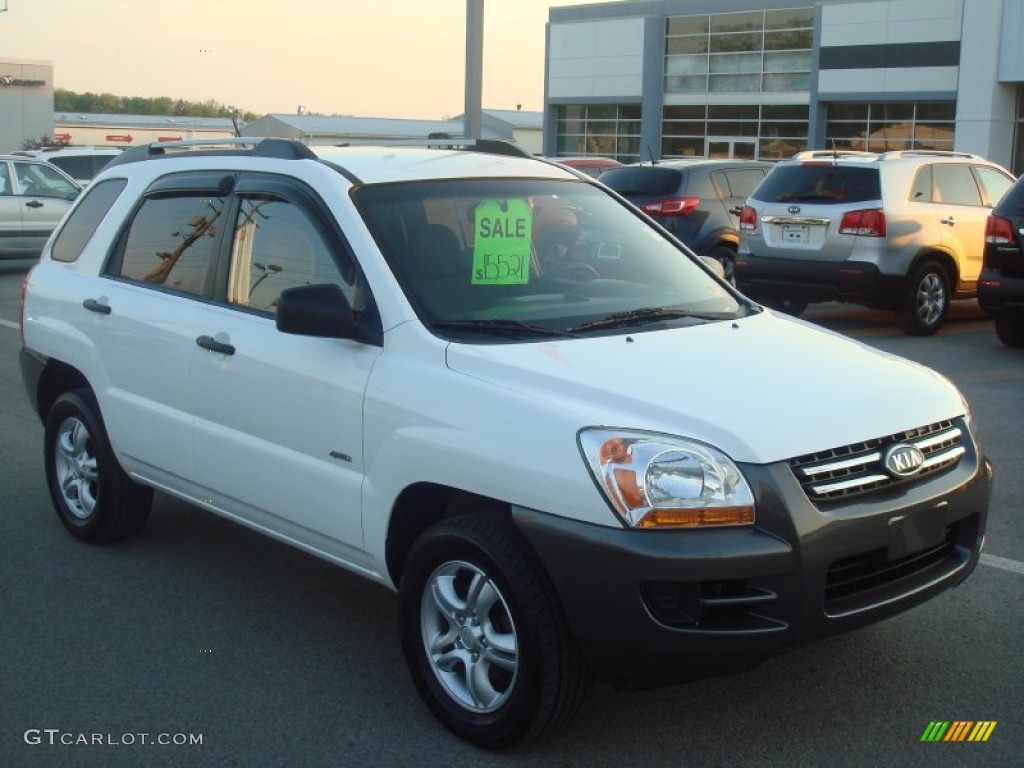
34	196
898	230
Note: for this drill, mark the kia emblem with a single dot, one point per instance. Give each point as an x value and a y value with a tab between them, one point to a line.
903	460
794	209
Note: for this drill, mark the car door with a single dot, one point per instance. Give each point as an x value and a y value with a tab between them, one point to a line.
962	216
279	421
141	320
45	195
12	242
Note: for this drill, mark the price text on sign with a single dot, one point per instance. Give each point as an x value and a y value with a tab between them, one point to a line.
501	249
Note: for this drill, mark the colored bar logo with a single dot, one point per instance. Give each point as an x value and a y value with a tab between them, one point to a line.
958	730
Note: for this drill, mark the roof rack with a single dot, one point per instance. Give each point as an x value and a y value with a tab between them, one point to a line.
817	154
487	146
896	154
281	149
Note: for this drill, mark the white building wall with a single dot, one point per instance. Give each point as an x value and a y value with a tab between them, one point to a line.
596	59
985	107
890	22
1011	51
26	102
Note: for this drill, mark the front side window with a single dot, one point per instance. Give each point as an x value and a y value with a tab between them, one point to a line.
528	258
172	241
40	180
6	187
276	246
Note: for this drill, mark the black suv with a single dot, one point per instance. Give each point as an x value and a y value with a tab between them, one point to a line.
698	201
1001	287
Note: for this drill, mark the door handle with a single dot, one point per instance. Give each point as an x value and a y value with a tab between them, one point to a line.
210	344
33	204
94	306
736	211
948	220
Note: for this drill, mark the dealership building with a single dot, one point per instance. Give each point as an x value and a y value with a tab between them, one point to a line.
645	79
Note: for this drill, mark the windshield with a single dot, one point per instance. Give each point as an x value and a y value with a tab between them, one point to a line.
518	257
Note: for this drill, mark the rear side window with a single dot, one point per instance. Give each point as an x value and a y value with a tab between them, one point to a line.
995	183
955	185
82	222
172	242
648	181
823	184
742	182
1013	200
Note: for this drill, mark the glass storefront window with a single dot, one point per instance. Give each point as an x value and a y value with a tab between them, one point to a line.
790	18
745	41
689	44
737	22
686	65
690	84
734	83
790	61
607	130
736	62
880	127
688	25
788	82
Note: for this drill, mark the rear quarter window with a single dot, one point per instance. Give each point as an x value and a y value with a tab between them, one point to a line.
84	219
819	183
1012	202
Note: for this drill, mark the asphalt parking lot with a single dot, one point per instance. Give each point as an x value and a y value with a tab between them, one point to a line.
199	628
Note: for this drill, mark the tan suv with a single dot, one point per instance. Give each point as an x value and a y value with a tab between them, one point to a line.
897	230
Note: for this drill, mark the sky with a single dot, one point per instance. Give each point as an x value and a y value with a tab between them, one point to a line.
369	58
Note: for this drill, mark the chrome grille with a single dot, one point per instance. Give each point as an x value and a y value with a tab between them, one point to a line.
860	468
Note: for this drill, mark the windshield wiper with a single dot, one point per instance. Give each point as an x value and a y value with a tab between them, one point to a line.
645	315
501	327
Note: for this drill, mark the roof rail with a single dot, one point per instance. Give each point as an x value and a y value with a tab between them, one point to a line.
488	146
282	149
896	154
815	154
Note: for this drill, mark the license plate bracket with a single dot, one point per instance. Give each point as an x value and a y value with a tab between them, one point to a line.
915	532
795	234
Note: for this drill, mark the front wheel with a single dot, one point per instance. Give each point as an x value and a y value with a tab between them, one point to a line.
483	634
786	304
926	301
94	498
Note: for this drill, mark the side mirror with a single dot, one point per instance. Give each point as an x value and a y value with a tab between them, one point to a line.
316	310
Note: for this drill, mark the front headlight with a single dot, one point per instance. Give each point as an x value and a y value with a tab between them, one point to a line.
658	481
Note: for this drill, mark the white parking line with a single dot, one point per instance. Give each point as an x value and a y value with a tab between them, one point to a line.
9	324
1003	563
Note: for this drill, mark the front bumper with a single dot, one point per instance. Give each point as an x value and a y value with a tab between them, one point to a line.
651	607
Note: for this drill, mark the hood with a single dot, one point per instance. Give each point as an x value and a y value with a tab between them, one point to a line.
763	389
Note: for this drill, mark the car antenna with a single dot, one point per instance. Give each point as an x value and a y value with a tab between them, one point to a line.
835	152
651	154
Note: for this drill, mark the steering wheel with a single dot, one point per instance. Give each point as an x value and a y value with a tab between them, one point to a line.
580	269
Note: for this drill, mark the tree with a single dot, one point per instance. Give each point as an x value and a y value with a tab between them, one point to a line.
43	142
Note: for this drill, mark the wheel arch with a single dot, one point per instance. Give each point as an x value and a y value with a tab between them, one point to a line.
420	506
944	259
56	379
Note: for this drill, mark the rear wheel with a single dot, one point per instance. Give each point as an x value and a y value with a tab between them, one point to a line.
926	301
1010	328
483	634
94	498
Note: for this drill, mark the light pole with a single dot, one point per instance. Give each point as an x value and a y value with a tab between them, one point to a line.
474	68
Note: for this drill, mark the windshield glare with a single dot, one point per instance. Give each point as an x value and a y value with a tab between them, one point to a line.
551	254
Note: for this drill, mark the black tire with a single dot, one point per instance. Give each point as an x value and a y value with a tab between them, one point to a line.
1010	328
926	300
94	498
727	258
492	693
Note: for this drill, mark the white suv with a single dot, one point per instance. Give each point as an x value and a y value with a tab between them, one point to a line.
595	459
898	230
